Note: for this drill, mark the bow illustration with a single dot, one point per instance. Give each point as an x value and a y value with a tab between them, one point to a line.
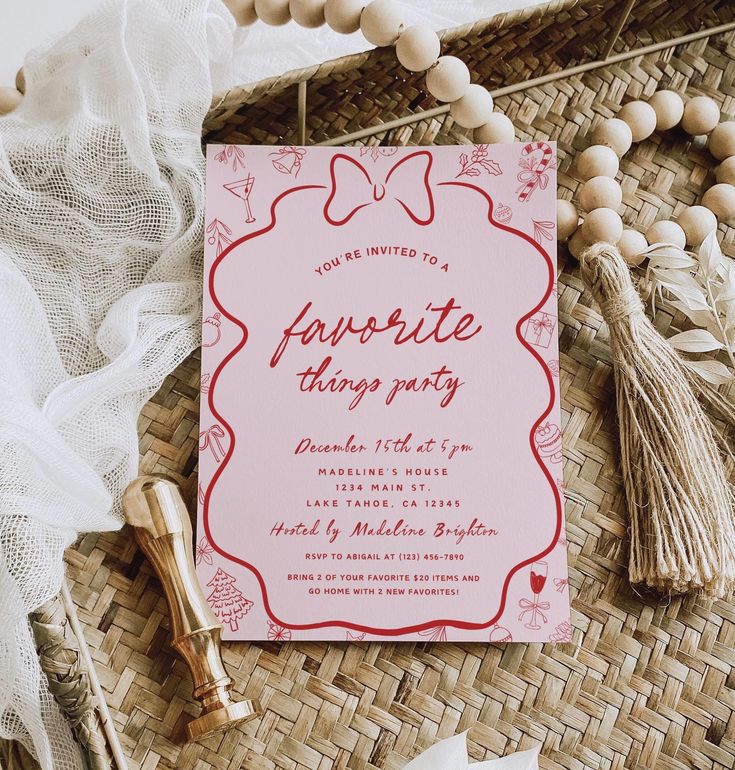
407	183
535	607
211	439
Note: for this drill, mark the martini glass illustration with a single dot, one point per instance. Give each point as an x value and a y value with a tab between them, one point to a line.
242	189
539	570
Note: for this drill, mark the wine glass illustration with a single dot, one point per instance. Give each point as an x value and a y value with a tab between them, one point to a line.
242	189
539	572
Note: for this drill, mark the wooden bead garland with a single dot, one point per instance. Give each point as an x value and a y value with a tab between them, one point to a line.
598	164
472	109
498	128
614	133
243	11
273	12
307	13
381	22
665	231
418	48
567	218
343	16
600	192
597	160
641	118
701	115
449	79
669	108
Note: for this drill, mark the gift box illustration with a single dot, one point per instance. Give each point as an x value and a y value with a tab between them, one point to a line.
539	329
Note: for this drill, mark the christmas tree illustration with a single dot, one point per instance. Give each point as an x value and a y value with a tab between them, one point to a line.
228	603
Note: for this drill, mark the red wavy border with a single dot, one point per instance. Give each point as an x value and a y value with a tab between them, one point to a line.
465	625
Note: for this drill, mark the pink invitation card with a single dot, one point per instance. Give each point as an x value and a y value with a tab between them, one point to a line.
381	452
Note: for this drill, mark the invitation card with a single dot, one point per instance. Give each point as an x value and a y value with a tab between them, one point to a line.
380	439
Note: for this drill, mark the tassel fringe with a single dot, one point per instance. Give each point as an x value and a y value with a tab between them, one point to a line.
681	503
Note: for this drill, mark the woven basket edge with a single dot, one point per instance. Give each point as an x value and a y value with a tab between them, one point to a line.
227	102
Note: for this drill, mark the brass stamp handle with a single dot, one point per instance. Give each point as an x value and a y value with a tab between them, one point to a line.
156	511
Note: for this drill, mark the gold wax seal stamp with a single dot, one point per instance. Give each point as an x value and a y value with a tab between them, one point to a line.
156	511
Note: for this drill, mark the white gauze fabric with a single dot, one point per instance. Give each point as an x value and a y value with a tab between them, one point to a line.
101	214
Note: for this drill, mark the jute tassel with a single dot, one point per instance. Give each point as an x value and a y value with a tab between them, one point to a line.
680	502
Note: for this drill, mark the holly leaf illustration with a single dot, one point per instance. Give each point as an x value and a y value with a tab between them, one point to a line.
491	167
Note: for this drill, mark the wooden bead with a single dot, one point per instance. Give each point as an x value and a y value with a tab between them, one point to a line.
448	79
20	80
576	244
697	222
630	245
10	98
273	12
418	48
243	11
497	129
666	231
473	108
567	219
602	226
641	118
600	192
701	115
721	140
720	200
307	13
669	107
343	16
597	160
614	133
725	172
381	22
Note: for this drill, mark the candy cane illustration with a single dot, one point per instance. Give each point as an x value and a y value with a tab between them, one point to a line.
534	174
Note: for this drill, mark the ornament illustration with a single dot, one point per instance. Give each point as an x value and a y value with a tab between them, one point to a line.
477	162
376	152
278	633
355	637
218	235
288	160
233	153
503	213
539	328
437	634
562	633
543	230
548	442
211	331
200	494
242	189
228	604
553	367
204	383
204	552
534	176
500	635
561	584
539	570
211	439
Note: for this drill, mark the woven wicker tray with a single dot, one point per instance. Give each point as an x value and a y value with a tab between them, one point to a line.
645	683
